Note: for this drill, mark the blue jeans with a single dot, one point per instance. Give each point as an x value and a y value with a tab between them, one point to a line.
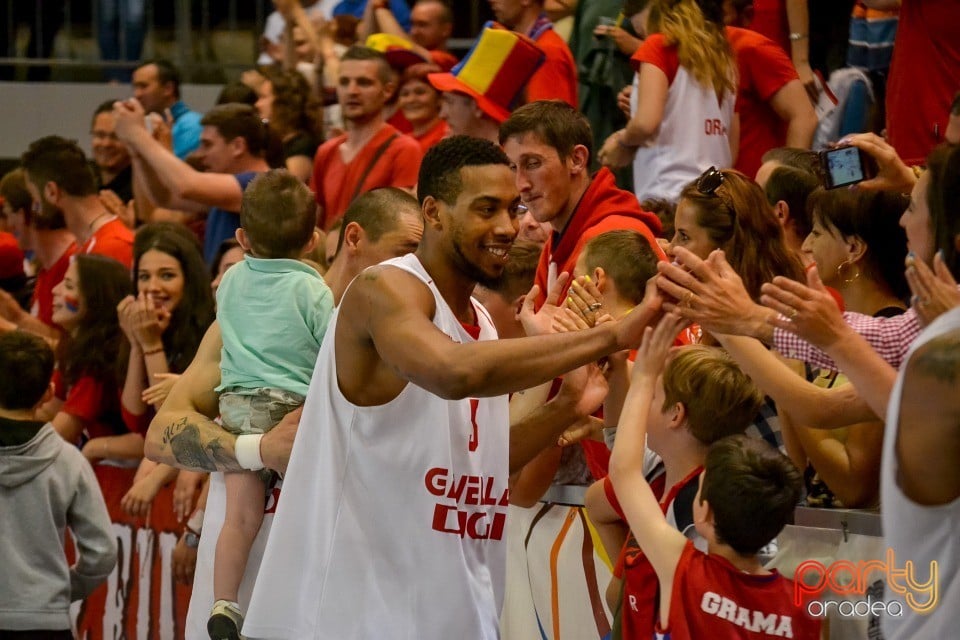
121	30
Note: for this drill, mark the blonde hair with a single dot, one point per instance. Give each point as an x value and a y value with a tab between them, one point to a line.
702	46
719	398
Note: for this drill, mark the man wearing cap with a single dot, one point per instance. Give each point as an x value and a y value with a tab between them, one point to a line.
479	93
557	78
372	153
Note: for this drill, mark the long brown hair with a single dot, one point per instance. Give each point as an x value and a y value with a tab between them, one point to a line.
695	28
738	219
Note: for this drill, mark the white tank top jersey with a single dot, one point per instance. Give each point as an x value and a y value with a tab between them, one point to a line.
392	519
917	533
693	136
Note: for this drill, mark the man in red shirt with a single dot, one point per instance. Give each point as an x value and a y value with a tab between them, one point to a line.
52	246
61	182
557	77
549	145
372	153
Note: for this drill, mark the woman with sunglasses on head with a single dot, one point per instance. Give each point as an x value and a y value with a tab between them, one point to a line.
682	105
727	210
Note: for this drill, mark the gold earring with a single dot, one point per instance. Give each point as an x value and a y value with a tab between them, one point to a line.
851	279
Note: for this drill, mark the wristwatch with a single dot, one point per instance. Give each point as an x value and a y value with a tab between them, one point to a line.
191	539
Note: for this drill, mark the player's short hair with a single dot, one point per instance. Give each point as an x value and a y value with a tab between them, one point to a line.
440	170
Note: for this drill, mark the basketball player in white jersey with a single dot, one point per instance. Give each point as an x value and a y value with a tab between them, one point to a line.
393	503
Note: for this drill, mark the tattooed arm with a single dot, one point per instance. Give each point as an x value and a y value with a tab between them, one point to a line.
183	433
928	434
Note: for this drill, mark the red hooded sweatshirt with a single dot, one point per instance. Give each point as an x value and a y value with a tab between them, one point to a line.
602	208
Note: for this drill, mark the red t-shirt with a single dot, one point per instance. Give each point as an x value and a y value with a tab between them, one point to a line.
399	122
713	599
94	403
770	21
641	589
924	76
764	69
657	52
41	306
114	240
334	182
434	135
556	79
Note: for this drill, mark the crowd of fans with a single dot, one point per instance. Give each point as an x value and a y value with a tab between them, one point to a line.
801	340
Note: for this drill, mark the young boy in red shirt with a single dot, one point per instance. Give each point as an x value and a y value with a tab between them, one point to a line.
747	494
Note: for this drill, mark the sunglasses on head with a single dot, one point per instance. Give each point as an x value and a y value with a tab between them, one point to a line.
709	181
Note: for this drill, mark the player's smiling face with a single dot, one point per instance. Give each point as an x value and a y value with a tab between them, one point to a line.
483	221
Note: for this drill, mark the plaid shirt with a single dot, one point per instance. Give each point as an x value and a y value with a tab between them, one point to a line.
890	337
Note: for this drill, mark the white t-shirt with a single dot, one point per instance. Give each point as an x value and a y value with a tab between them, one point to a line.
693	136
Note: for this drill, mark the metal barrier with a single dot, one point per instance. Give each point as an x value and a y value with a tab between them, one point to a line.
70	38
208	40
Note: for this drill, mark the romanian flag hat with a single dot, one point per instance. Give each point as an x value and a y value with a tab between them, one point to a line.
398	50
494	71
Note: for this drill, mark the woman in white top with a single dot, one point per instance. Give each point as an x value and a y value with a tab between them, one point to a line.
682	106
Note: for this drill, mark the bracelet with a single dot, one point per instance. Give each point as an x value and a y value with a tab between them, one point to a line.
795	36
247	450
153	351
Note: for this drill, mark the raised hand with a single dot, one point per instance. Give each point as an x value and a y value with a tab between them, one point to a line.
710	293
540	322
934	291
807	310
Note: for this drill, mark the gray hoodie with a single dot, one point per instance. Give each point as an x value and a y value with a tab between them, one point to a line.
46	487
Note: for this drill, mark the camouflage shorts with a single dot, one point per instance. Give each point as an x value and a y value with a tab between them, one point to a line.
245	411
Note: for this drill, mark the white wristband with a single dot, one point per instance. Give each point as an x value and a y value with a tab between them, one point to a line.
248	451
195	523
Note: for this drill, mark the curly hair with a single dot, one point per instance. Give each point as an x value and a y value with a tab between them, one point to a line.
195	313
737	219
92	349
695	28
440	170
295	106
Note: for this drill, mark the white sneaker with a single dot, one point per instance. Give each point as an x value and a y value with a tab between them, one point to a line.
225	621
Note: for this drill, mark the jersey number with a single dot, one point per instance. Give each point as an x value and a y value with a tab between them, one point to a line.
474	437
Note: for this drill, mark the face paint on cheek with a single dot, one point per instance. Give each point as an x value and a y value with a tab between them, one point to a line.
72	304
